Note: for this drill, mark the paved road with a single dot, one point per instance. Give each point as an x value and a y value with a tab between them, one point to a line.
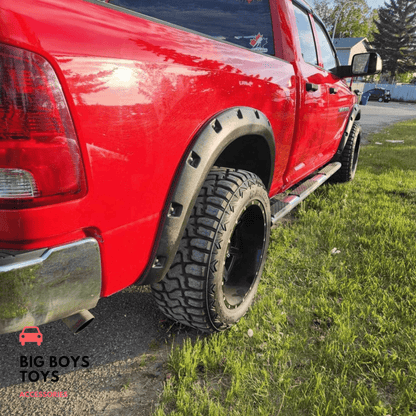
376	116
127	347
125	325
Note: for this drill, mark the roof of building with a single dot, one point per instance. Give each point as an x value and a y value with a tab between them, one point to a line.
347	42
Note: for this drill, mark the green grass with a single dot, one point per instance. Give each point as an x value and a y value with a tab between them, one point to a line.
334	334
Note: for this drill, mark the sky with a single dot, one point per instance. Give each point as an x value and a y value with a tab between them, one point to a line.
374	4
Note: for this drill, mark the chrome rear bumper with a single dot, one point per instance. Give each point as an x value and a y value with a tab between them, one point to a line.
40	286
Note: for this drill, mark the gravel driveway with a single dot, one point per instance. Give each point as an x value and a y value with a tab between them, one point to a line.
127	345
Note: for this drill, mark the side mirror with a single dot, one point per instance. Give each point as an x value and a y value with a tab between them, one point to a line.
366	64
362	64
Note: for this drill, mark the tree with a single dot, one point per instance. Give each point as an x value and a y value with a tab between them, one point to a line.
354	17
395	37
405	77
325	11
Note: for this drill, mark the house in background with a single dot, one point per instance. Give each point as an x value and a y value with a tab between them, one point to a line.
348	47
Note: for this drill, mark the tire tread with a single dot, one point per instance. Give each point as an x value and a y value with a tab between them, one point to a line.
182	293
345	173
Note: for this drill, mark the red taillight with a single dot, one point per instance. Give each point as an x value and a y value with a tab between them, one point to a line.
40	159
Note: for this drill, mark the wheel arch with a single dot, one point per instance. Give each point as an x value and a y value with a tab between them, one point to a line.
354	116
250	152
228	139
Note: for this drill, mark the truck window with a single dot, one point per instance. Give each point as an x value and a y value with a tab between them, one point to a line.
307	42
245	23
328	55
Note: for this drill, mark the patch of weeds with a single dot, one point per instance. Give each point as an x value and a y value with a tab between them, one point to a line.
142	361
125	386
154	345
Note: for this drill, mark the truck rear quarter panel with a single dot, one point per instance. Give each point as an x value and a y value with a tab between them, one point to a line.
138	91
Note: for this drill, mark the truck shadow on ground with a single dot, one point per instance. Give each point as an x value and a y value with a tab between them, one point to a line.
126	325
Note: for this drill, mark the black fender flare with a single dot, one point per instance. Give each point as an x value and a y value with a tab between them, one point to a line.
355	115
204	150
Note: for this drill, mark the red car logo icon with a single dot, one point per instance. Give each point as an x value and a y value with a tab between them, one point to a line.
30	334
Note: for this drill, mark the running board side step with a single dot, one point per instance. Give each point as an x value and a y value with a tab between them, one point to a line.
280	207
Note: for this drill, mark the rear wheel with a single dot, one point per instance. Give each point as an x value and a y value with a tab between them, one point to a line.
216	271
349	156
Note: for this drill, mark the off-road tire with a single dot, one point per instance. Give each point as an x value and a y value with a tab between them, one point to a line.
214	277
349	156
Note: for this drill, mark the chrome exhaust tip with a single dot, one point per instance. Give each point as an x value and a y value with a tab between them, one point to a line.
79	321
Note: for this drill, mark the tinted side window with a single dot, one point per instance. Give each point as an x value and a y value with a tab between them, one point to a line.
307	43
328	54
243	22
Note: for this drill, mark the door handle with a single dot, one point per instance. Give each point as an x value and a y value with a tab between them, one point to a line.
312	87
333	90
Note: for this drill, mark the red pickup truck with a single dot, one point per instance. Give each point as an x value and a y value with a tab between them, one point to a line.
156	143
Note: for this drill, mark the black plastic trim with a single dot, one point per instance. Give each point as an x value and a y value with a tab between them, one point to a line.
304	5
209	143
312	87
343	71
355	115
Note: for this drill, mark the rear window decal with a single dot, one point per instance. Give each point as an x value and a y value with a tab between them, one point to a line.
258	43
